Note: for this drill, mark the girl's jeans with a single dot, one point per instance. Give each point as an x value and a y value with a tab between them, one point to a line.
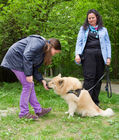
28	95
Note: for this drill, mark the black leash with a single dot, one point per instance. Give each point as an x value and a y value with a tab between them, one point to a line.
108	88
97	82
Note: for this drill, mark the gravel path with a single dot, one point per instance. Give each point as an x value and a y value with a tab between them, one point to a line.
115	88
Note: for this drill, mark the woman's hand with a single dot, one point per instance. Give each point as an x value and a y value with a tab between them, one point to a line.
29	79
77	59
45	84
108	61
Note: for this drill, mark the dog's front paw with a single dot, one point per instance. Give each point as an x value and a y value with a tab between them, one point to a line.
67	112
70	115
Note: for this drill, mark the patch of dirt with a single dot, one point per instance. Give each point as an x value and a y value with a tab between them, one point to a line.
4	113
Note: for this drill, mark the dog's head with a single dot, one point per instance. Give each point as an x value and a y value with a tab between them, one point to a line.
56	83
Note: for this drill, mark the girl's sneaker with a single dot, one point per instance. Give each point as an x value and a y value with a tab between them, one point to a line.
29	116
43	112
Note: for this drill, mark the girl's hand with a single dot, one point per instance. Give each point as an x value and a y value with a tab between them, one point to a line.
108	61
45	84
77	59
29	79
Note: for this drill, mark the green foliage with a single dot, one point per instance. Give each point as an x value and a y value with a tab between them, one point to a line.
110	15
60	19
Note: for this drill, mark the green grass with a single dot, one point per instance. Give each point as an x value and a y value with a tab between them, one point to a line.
55	125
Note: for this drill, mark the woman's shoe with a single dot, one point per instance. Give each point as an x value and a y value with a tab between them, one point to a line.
29	116
43	112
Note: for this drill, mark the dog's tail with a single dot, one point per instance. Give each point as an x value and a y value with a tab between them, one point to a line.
107	113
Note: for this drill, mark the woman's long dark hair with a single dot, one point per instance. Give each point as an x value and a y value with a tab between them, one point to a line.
99	19
52	42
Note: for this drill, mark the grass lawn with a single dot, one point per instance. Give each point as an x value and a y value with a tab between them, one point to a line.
55	125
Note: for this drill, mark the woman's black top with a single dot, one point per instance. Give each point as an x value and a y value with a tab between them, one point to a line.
92	41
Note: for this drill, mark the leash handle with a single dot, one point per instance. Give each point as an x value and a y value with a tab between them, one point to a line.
108	88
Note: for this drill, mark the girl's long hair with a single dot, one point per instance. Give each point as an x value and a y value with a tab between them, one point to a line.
51	43
99	19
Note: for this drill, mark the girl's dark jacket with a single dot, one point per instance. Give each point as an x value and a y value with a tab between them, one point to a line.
26	55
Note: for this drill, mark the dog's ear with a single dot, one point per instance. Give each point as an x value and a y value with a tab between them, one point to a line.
61	82
59	75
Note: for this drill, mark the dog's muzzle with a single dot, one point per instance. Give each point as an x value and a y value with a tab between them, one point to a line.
48	86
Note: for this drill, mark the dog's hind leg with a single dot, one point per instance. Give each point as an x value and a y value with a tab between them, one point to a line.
72	108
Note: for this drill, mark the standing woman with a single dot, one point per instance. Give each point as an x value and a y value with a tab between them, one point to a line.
93	50
24	58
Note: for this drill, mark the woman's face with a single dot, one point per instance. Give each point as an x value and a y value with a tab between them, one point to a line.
54	51
92	19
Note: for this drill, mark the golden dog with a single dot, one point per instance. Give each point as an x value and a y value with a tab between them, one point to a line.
83	104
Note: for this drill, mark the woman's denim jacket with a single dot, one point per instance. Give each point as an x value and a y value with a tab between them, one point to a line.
103	38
